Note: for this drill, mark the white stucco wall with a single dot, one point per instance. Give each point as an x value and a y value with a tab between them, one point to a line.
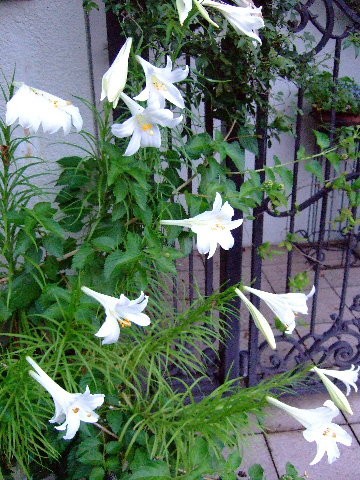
46	42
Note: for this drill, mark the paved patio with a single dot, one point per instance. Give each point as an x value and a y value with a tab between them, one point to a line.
282	440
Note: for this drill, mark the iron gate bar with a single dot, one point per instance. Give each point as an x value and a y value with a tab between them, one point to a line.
299	117
351	243
209	263
189	176
324	203
230	272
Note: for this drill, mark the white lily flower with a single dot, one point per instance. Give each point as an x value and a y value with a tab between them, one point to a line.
319	428
143	125
212	227
184	7
284	305
119	312
245	20
348	377
70	408
33	107
335	393
259	320
159	83
114	80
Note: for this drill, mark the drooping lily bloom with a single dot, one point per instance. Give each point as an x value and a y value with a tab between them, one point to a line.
33	107
70	408
143	125
284	305
114	80
119	312
245	20
259	320
319	428
335	393
212	227
159	83
348	377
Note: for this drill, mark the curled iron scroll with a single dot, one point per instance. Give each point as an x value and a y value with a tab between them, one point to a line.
326	30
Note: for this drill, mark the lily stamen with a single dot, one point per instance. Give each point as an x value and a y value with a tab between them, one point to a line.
125	323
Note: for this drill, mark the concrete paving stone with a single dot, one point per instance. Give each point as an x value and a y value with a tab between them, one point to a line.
354	400
328	302
279	421
351	293
335	277
255	450
280	257
276	276
333	257
292	447
356	431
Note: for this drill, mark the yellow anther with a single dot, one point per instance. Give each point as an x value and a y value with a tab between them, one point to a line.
148	127
124	322
158	84
76	410
218	226
328	432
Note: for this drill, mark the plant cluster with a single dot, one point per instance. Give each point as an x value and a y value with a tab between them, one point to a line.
148	407
342	96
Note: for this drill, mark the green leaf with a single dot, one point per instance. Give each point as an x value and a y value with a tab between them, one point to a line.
140	196
248	140
43	209
24	290
115	420
198	145
118	259
316	169
92	457
256	472
291	470
199	454
82	257
114	174
237	155
154	471
120	191
301	154
335	160
23	243
234	460
106	244
69	161
112	448
97	473
54	245
5	312
322	140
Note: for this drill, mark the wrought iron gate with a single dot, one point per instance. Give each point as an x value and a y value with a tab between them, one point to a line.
339	344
